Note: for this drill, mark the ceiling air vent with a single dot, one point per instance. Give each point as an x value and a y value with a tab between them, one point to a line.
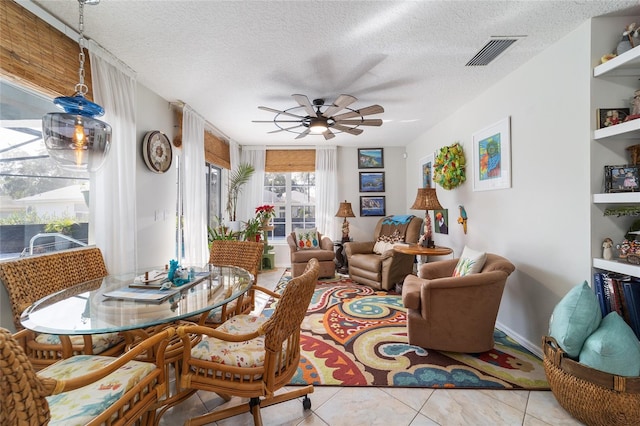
495	47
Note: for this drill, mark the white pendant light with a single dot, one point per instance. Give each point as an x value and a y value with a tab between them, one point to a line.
75	139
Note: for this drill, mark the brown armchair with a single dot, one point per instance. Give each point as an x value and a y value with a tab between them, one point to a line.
324	254
383	271
456	314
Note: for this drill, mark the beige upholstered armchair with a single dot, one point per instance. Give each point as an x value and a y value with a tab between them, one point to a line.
383	270
456	314
301	256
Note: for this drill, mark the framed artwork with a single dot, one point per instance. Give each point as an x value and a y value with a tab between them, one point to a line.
611	116
370	158
492	157
623	178
441	223
372	206
426	172
371	181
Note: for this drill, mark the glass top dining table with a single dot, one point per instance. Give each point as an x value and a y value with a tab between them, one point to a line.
116	303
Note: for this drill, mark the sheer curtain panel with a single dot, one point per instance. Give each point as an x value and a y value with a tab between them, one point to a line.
113	198
251	196
326	190
194	188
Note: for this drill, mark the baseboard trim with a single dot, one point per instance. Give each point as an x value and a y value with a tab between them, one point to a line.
533	347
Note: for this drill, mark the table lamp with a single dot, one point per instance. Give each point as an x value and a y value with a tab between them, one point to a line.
426	199
345	211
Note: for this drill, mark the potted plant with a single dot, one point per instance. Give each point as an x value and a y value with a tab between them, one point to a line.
237	179
265	213
252	229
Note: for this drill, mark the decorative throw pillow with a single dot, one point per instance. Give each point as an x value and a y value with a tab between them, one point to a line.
306	238
612	348
574	318
470	262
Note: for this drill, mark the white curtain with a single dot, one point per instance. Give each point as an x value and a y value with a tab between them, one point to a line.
252	193
234	159
113	187
194	188
326	190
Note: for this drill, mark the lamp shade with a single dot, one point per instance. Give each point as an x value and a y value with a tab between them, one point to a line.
345	210
426	199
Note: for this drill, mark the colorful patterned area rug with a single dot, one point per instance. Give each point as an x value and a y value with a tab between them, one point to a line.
353	335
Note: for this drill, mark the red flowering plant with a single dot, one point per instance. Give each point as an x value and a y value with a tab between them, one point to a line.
265	213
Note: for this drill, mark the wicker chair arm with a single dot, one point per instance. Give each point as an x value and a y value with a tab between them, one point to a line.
266	291
186	331
147	344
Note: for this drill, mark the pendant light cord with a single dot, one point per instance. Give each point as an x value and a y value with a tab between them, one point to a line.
81	88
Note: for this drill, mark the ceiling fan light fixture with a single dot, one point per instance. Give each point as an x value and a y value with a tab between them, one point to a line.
318	126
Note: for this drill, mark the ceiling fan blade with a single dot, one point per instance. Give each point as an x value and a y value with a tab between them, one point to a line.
346	129
277	111
373	109
340	103
369	122
304	102
328	134
276	121
285	129
303	134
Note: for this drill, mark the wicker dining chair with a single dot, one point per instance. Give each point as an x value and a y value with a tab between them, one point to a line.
243	254
250	356
83	389
29	279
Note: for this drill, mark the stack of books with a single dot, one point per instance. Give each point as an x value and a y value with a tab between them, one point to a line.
619	293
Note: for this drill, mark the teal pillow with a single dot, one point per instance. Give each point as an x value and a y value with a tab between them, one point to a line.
574	318
612	348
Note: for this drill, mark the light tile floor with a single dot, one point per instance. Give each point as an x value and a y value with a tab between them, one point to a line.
336	406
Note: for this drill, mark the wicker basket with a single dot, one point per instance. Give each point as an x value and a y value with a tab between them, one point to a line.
591	396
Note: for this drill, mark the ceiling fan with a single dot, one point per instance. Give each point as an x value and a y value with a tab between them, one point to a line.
320	118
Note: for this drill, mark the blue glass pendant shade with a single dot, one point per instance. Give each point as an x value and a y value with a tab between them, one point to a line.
74	139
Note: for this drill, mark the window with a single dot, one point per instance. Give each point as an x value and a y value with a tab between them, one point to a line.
214	192
36	197
294	196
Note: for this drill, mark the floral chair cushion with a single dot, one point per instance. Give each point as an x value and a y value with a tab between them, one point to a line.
100	342
79	406
240	354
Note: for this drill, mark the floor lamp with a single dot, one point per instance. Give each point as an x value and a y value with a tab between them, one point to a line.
426	199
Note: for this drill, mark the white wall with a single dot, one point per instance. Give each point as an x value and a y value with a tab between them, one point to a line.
155	193
541	223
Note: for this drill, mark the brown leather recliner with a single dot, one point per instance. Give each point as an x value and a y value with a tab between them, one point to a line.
382	271
456	314
324	254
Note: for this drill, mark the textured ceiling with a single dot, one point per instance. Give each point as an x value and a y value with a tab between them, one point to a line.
225	58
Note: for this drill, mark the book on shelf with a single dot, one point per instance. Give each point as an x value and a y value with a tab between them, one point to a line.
632	295
598	287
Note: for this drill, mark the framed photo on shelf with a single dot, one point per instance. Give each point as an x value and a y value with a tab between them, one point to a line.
611	116
371	181
624	178
372	206
426	172
370	158
492	157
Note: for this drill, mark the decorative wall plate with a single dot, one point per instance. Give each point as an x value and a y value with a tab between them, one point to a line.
157	151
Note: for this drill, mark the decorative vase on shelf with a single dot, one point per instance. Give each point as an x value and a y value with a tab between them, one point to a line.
623	45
